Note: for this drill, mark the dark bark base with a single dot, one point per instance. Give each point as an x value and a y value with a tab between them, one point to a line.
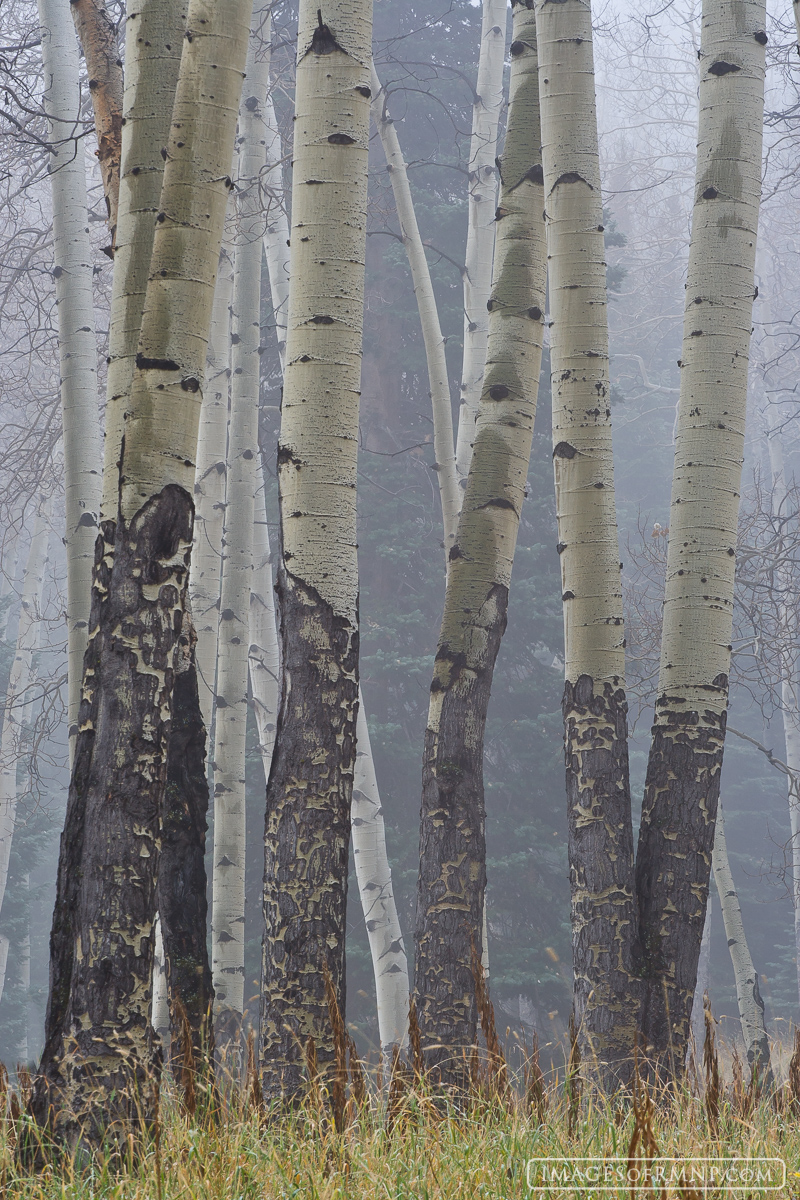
604	914
452	873
673	867
307	838
182	884
100	1065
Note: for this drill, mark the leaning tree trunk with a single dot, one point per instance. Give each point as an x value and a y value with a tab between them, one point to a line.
99	1063
264	654
452	838
481	231
438	379
702	985
389	962
230	725
276	233
14	714
683	776
307	835
594	704
209	490
748	994
76	333
98	38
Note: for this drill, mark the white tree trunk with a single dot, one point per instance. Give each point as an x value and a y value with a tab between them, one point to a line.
374	876
481	232
19	682
4	947
209	489
160	1012
703	983
751	1006
230	725
428	315
276	234
76	332
264	653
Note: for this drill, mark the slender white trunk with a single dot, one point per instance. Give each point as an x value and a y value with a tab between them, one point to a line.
209	490
76	332
428	314
751	1006
23	1051
4	945
377	897
276	234
480	236
264	653
160	1012
19	683
703	981
230	725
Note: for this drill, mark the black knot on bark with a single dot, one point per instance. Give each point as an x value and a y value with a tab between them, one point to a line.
535	313
322	320
498	392
341	139
323	41
564	450
455	552
761	37
190	385
568	595
365	92
535	173
516	48
710	193
721	67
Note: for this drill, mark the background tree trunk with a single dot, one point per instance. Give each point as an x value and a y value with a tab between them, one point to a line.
98	38
307	834
481	231
600	838
76	333
683	776
230	726
449	926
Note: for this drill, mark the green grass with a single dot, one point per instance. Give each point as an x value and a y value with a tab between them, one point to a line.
481	1152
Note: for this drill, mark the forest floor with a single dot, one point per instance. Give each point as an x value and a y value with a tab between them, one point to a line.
407	1148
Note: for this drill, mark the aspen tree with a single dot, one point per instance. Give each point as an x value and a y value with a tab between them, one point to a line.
594	705
452	837
480	237
276	232
98	38
160	1010
307	832
230	725
428	314
683	775
98	1060
209	488
19	682
264	653
389	962
76	332
703	982
748	995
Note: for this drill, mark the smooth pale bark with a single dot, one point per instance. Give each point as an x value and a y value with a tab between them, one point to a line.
449	925
98	38
209	488
76	332
276	233
374	876
594	703
481	232
99	1061
4	948
789	662
702	985
748	995
264	653
796	9
19	683
154	33
435	357
230	725
682	787
307	835
160	1012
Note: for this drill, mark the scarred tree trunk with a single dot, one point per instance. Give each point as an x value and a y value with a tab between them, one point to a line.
449	928
682	788
594	703
307	835
98	38
98	1063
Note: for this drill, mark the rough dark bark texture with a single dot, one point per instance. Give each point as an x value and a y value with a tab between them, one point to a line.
307	837
600	839
182	884
452	851
99	1061
673	867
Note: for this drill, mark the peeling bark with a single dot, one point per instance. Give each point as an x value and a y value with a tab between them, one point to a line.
98	38
449	925
683	777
